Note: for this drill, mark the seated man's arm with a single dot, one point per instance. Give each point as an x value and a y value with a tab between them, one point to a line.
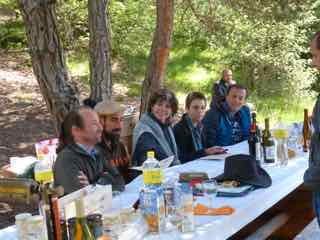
147	142
66	174
112	176
210	128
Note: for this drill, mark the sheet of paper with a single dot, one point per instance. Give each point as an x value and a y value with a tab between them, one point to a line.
216	156
165	163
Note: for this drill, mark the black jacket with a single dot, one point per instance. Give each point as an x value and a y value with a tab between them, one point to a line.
219	92
183	136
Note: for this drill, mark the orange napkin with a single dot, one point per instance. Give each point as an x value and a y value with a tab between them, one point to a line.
201	209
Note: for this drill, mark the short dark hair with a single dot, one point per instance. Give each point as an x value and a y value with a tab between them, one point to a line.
316	37
237	86
194	95
72	119
161	95
89	102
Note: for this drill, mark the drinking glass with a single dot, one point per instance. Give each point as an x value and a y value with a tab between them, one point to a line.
111	218
210	189
294	134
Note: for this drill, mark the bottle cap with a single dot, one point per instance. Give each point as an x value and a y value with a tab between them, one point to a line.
280	133
150	154
22	216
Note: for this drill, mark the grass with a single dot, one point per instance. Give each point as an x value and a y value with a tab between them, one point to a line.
285	110
78	64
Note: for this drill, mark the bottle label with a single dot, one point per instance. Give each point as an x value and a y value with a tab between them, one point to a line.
270	154
258	151
44	176
152	176
152	207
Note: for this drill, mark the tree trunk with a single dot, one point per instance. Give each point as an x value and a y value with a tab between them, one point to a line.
159	53
100	47
47	57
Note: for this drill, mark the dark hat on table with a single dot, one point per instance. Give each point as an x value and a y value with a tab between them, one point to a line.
244	169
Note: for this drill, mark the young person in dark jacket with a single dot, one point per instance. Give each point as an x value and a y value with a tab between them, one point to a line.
188	131
228	122
154	132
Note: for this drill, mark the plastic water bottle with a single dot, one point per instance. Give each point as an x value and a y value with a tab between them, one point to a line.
151	196
152	171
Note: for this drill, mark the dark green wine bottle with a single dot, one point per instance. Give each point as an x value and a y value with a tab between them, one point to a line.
268	145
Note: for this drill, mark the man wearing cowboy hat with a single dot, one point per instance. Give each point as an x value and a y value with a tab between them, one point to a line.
111	115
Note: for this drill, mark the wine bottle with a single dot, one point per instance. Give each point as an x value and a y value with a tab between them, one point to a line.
268	144
55	217
306	131
258	146
81	230
252	140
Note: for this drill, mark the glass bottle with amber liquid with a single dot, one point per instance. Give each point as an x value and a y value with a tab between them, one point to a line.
268	145
254	140
306	131
81	229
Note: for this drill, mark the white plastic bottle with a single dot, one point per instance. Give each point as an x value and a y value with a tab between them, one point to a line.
152	171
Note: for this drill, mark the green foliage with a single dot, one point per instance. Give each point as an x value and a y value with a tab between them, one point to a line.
12	35
285	109
263	42
72	17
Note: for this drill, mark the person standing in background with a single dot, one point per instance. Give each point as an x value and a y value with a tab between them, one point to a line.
220	88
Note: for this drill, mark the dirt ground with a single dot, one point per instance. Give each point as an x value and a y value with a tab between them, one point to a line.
24	119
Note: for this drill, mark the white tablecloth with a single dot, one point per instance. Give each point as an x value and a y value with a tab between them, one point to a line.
284	181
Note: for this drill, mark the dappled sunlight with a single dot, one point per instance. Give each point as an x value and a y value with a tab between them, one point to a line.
198	74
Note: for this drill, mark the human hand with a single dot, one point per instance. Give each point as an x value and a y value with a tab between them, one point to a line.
215	150
83	180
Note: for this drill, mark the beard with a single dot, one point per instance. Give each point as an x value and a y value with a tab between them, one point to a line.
111	137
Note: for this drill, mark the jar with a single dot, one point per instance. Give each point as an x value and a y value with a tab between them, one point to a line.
21	220
36	229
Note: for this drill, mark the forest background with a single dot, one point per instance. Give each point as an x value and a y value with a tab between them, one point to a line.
265	43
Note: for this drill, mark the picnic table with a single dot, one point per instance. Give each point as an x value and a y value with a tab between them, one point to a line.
285	180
